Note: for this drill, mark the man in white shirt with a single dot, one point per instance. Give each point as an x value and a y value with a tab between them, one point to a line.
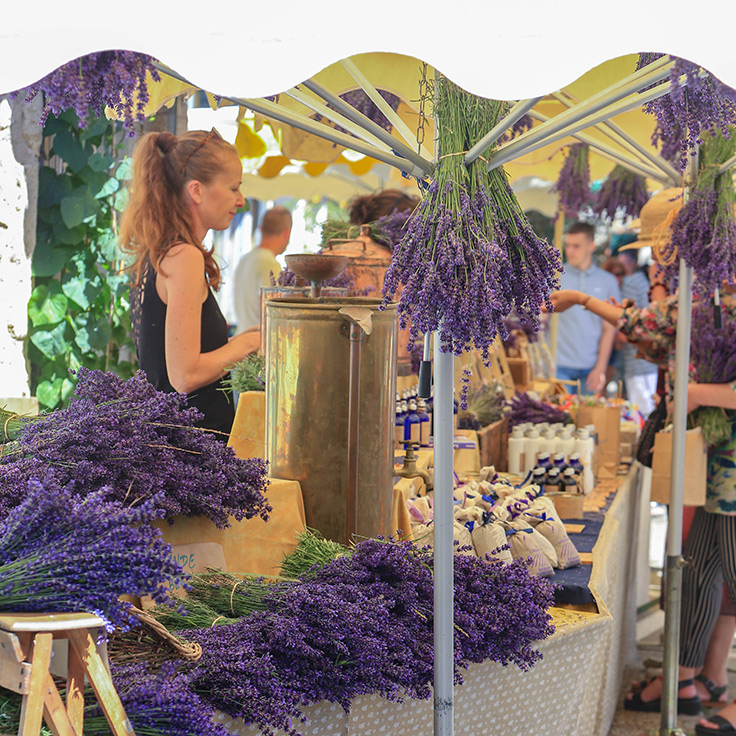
257	266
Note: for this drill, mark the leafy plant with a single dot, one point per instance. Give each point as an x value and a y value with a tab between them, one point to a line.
78	312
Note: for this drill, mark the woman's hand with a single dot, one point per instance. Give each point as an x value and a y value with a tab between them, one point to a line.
566	298
246	342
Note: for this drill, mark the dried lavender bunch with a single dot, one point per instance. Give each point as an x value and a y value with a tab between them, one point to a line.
157	704
286	277
233	595
525	409
188	613
713	360
59	552
363	624
386	230
139	444
115	79
249	374
312	550
704	230
623	191
468	255
573	182
524	123
703	104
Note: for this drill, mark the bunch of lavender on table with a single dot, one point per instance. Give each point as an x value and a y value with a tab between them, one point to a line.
234	595
248	374
157	704
363	624
137	443
116	79
386	230
63	553
573	181
468	255
704	230
713	360
523	408
623	191
703	104
312	550
344	280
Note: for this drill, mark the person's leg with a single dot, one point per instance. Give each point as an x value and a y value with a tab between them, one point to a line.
701	600
565	373
726	534
715	667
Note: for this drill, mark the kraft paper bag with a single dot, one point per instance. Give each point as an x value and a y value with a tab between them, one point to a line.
523	546
490	539
539	539
696	467
607	421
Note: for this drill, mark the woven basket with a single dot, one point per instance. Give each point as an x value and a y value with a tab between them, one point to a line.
151	642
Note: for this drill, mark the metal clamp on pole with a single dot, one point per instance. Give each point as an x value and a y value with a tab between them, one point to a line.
425	370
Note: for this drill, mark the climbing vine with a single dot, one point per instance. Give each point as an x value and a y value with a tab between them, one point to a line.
78	312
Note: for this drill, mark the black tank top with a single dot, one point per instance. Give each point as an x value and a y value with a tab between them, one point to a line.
148	318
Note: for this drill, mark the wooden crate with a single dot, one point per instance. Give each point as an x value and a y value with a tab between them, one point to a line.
493	442
521	372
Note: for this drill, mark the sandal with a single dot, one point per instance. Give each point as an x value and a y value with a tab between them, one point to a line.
725	728
685	706
715	692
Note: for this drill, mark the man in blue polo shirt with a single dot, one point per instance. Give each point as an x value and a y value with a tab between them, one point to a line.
584	340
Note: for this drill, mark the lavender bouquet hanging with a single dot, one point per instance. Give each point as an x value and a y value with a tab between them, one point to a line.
573	181
63	553
623	191
704	230
468	255
116	79
703	104
713	360
138	444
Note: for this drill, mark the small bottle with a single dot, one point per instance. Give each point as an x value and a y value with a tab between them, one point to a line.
544	461
576	463
553	479
539	477
455	407
399	427
423	423
412	424
516	451
569	481
566	444
584	447
531	448
559	461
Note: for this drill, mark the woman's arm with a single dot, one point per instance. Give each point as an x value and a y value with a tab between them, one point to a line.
567	298
711	394
183	288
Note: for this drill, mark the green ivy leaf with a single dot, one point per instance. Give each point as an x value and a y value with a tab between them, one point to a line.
96	128
81	289
51	343
95	180
109	248
52	187
110	187
49	258
48	393
69	147
78	206
100	162
74	236
47	305
124	170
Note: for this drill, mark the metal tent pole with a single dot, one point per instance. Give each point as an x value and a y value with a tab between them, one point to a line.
673	589
444	377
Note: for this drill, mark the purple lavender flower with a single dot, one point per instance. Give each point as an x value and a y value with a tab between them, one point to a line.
573	182
702	104
116	79
62	553
138	444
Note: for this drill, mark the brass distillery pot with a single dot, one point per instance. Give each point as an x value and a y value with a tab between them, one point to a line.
317	358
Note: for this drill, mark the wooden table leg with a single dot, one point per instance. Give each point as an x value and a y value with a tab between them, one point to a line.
75	690
31	714
55	713
101	682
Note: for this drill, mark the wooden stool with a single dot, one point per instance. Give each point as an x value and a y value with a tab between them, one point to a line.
25	655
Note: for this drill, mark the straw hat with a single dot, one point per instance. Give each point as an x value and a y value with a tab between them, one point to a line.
653	215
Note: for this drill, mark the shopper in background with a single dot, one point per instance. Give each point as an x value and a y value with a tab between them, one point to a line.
257	267
584	340
640	376
182	187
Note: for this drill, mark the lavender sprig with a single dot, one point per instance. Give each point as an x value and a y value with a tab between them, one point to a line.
703	104
62	553
138	443
573	181
704	230
623	191
468	255
116	79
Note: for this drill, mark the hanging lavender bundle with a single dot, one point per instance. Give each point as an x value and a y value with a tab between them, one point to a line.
704	230
623	191
702	104
573	182
468	256
115	79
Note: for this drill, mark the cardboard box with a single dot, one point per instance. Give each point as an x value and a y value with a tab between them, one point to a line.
521	371
568	505
494	445
696	468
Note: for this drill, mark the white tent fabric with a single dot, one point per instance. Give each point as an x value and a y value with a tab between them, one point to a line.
252	49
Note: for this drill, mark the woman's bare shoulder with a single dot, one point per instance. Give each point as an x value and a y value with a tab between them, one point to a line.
183	253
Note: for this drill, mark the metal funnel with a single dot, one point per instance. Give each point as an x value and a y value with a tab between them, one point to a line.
316	268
